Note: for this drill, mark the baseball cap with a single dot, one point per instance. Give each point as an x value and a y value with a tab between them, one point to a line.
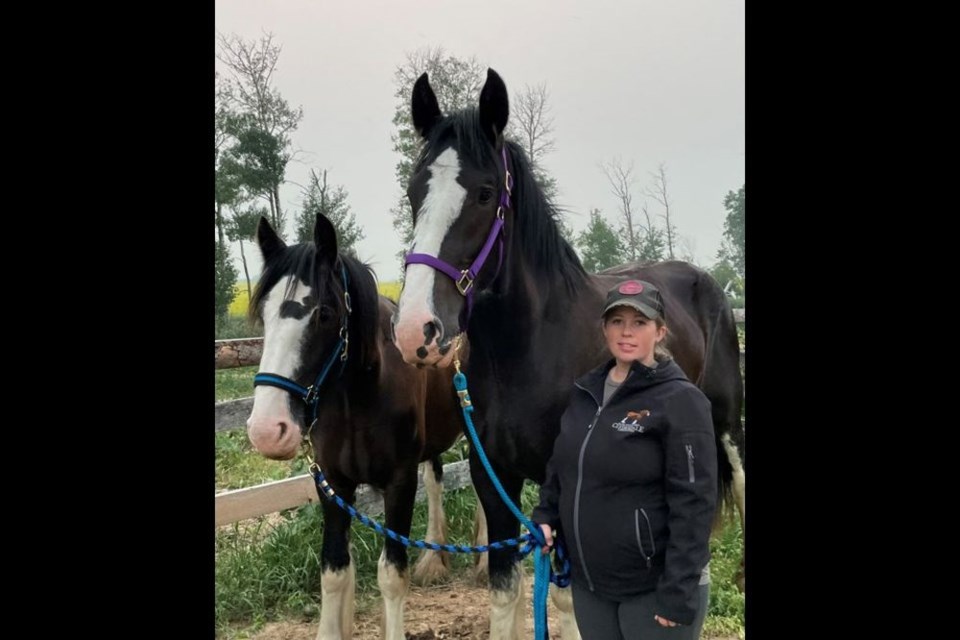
638	294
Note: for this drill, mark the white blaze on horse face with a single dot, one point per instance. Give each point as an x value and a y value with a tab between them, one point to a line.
440	210
271	428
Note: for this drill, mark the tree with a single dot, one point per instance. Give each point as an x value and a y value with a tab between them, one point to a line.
652	242
224	279
733	247
728	278
600	247
226	192
659	193
257	117
643	240
331	202
620	179
242	226
531	126
457	85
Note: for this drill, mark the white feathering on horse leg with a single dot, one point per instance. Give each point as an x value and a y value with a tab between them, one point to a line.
394	586
337	603
433	566
507	609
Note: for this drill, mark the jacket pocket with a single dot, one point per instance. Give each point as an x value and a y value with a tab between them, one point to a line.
644	533
689	448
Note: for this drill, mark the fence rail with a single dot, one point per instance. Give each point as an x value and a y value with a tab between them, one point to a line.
251	502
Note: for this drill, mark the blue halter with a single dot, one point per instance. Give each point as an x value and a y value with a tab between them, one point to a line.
311	394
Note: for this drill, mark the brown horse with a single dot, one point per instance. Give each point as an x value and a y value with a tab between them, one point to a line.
531	312
371	418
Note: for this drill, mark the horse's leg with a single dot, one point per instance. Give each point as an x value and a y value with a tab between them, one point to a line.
432	566
481	569
563	601
392	574
338	572
723	384
506	579
739	495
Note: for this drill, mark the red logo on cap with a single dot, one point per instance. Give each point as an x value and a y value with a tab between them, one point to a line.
630	287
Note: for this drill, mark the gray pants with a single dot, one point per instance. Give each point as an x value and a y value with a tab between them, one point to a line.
602	619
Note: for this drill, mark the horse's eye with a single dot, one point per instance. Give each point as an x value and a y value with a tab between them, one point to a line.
325	313
485	196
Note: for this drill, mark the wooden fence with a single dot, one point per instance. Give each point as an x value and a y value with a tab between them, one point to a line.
240	504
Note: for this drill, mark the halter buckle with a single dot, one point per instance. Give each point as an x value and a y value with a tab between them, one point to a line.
461	287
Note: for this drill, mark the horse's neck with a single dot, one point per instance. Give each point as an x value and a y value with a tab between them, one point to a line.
507	321
534	290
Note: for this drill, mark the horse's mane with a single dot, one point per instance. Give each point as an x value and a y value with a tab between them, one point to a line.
535	217
300	260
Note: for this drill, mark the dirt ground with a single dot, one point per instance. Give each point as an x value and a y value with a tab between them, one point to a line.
453	611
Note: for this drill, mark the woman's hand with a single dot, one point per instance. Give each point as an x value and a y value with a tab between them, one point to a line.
664	622
548	536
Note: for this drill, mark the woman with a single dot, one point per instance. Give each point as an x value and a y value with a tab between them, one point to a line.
632	483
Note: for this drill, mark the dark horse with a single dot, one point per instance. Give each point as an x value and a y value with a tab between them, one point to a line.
534	324
377	417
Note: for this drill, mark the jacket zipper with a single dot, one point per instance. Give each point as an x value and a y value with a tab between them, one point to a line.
576	497
583	448
653	545
689	448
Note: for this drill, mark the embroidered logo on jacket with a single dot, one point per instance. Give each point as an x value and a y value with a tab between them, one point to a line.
632	422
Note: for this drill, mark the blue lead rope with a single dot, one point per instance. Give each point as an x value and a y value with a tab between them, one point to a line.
404	540
541	561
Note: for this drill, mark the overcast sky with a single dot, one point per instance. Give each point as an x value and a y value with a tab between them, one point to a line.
648	81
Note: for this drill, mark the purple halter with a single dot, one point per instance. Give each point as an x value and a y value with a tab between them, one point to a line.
464	279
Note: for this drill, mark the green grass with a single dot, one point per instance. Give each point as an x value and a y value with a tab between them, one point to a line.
239	466
234	383
725	615
232	327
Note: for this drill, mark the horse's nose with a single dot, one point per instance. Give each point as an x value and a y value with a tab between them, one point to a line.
275	439
431	330
445	345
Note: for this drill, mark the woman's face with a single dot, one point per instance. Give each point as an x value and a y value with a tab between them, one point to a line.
631	336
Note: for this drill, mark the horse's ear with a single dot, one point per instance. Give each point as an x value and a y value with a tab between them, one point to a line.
426	111
494	106
267	239
325	237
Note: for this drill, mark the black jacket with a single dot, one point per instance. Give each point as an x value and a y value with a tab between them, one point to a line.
632	487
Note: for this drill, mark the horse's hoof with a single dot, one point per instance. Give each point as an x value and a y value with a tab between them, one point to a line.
481	572
432	567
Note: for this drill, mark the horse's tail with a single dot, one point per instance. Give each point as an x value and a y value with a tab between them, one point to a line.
722	382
